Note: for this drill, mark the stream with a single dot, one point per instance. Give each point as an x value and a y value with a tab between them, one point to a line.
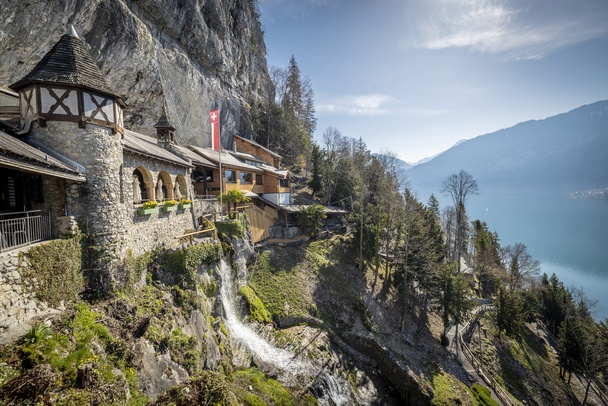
327	388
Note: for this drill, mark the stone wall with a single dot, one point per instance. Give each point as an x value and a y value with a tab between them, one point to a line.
284	232
18	309
148	232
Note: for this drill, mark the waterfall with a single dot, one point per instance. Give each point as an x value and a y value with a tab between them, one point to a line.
324	386
245	335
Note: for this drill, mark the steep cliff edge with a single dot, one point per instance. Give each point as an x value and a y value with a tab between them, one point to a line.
193	56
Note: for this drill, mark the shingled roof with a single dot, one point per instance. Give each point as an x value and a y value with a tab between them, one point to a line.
68	63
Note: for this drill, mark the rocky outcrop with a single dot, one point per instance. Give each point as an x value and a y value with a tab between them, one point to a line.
405	381
193	56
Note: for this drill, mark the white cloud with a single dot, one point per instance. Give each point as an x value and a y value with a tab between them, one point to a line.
365	105
528	30
373	105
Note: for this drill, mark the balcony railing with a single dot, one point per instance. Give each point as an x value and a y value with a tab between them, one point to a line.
23	228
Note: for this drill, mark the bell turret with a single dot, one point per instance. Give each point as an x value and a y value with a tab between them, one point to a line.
165	132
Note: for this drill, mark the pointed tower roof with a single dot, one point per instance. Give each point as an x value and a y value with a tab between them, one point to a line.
163	122
68	63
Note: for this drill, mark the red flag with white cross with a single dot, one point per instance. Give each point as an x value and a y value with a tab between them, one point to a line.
215	129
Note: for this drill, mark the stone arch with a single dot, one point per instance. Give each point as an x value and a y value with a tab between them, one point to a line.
167	185
146	184
180	182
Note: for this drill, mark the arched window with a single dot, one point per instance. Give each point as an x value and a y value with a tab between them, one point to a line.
142	180
164	186
181	188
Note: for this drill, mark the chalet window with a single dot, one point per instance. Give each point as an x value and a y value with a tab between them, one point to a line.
246	178
36	194
199	175
284	182
230	176
259	179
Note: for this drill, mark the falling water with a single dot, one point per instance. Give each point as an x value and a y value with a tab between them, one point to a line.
324	385
245	335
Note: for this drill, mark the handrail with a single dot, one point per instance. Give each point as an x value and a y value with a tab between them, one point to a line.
20	213
24	230
502	394
205	197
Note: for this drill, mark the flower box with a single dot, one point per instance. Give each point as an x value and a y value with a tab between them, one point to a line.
184	206
144	212
169	208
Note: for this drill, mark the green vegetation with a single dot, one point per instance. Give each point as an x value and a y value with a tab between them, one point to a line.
208	388
278	287
447	391
233	197
134	268
180	266
257	311
269	391
483	395
230	229
53	270
311	217
81	360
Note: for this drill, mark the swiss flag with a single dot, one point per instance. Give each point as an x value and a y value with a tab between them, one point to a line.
215	129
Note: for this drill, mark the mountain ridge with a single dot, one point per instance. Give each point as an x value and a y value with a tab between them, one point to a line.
560	153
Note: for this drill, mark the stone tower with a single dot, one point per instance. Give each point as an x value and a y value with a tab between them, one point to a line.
67	107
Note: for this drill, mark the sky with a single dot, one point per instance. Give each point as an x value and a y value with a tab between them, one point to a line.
413	77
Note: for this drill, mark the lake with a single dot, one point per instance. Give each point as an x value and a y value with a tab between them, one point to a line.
569	236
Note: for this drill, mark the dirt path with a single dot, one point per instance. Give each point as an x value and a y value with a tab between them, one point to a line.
455	349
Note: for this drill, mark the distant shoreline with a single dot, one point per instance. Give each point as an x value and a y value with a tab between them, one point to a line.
590	194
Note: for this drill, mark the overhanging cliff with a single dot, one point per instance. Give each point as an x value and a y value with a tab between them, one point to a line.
191	55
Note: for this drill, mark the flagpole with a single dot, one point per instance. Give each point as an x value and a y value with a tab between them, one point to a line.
219	150
214	116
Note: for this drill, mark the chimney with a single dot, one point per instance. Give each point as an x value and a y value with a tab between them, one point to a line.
234	145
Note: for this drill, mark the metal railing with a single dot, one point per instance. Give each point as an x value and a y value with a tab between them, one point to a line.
486	375
23	228
205	197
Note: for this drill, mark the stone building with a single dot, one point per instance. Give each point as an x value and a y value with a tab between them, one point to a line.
67	163
70	161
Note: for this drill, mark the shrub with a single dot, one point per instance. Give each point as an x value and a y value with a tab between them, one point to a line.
483	395
56	268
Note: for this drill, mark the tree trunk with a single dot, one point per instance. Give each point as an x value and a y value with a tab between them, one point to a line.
586	391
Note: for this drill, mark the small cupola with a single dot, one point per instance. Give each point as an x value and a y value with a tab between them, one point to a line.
165	132
67	85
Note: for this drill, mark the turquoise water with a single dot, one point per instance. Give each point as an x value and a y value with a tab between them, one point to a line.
569	236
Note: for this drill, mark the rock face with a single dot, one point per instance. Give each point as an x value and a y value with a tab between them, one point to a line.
191	55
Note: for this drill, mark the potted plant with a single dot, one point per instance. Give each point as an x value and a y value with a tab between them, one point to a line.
148	207
185	203
170	205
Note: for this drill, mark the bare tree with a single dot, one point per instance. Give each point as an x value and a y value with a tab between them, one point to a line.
459	186
521	267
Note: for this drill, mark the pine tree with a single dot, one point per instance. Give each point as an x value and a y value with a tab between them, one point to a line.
316	181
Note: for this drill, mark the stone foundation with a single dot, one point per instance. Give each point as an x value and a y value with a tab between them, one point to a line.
19	310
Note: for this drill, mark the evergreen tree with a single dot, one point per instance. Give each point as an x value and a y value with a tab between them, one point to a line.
508	313
454	296
486	257
315	182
